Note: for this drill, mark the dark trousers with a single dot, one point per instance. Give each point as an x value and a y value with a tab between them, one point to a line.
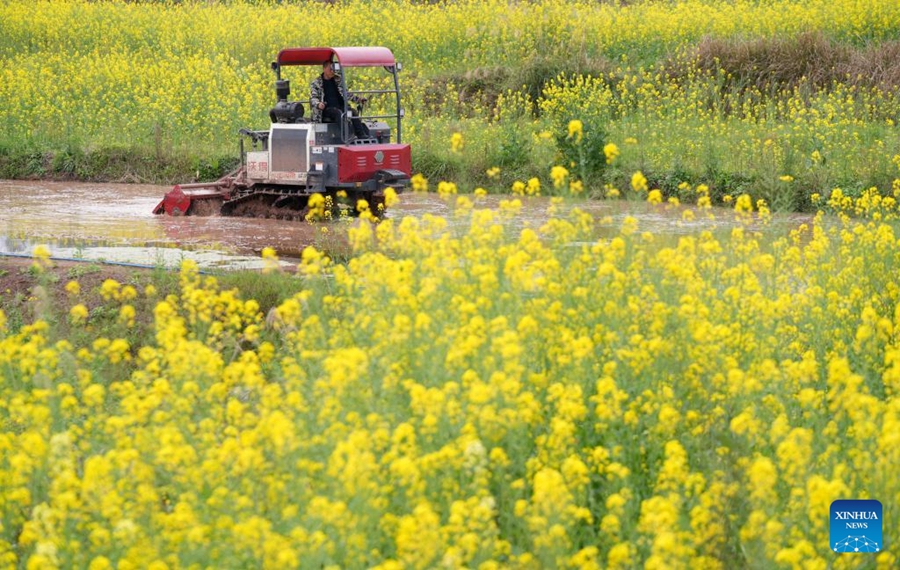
333	115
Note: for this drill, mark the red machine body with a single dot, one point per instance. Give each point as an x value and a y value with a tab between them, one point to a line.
359	163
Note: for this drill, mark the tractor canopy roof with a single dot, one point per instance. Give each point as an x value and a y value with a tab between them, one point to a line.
346	56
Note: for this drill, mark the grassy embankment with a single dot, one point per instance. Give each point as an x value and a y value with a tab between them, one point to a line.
781	99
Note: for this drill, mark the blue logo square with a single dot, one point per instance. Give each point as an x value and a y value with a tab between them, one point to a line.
856	526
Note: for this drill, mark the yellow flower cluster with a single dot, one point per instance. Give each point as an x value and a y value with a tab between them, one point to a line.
456	142
612	152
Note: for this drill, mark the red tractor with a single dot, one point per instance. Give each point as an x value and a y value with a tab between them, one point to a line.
296	158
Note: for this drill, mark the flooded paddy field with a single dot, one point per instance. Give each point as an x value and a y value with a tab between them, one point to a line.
115	223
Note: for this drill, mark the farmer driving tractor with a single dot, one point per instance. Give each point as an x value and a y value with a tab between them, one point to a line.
296	158
327	97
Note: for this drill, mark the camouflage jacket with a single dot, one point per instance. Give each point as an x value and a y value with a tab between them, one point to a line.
317	95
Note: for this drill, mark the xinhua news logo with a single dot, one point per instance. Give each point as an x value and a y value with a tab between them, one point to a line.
856	526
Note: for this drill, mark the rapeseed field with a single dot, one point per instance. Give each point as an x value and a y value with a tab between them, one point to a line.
475	390
466	392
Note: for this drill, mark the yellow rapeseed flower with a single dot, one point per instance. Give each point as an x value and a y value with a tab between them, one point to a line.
576	130
126	315
446	189
638	182
78	314
456	142
73	288
41	255
270	257
419	183
110	290
391	198
559	174
612	152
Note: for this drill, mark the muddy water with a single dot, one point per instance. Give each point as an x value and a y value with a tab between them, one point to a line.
114	222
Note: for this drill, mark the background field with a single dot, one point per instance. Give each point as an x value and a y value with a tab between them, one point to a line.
735	95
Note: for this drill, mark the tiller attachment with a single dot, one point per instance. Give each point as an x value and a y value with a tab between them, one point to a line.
194	199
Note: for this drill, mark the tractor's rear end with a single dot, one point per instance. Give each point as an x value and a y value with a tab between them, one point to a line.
282	168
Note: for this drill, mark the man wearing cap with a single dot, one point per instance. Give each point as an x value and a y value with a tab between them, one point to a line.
327	97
